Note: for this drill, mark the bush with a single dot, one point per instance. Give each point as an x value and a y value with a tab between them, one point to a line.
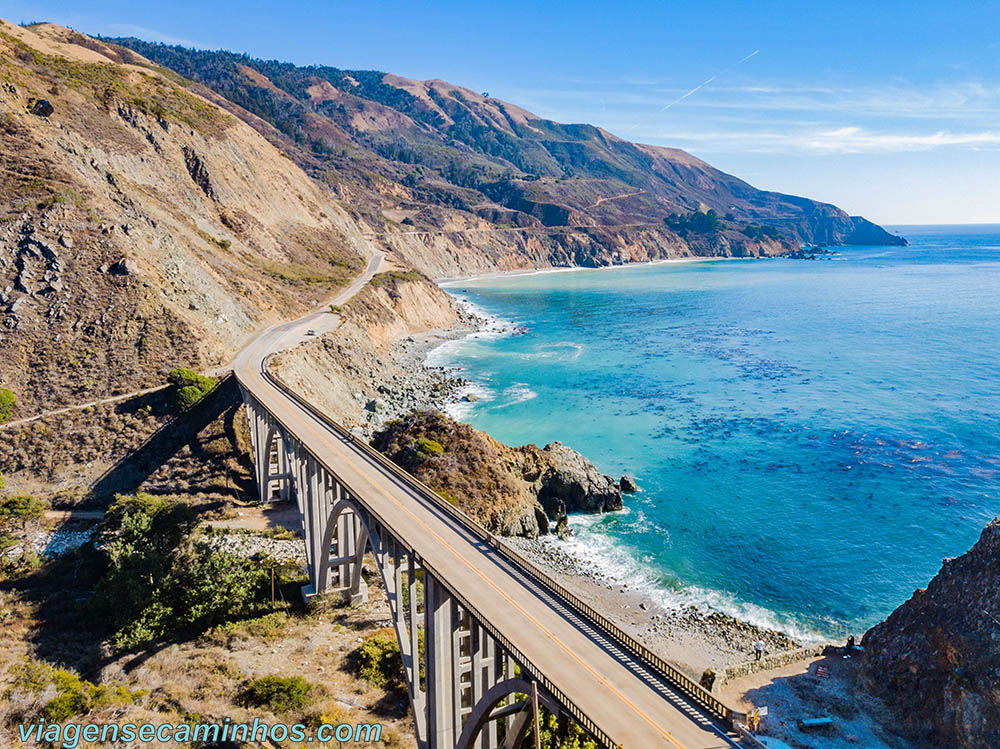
267	627
379	661
74	696
188	396
159	583
20	509
189	387
7	401
425	445
554	735
279	694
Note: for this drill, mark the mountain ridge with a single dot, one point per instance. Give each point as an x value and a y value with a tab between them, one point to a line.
477	157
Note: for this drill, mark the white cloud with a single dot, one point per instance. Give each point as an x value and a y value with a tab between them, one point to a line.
825	141
859	140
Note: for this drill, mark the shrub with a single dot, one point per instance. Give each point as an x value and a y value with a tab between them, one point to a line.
74	696
379	660
20	509
267	627
7	401
189	387
428	445
554	735
180	376
188	396
159	583
279	694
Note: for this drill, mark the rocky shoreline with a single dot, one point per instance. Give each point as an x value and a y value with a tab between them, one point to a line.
418	385
692	638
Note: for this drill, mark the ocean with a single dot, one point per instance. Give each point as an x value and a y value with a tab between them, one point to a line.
811	438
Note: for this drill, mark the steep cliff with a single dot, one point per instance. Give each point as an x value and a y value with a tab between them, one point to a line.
141	226
513	491
936	659
352	373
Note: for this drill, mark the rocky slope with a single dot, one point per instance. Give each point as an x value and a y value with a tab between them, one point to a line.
936	659
366	371
428	159
141	226
513	491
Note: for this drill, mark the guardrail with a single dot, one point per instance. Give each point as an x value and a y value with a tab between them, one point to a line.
680	681
578	715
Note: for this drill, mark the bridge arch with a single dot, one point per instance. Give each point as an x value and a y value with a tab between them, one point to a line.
519	715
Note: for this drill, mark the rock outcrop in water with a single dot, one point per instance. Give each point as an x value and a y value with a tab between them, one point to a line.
936	659
513	491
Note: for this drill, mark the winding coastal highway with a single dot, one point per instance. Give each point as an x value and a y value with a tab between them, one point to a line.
632	705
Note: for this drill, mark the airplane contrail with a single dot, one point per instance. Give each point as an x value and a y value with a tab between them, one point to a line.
706	82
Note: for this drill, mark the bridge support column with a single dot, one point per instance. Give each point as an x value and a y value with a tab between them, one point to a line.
271	465
441	686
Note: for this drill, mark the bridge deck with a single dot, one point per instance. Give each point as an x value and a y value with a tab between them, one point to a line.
630	704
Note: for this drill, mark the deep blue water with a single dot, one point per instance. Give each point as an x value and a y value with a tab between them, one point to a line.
811	437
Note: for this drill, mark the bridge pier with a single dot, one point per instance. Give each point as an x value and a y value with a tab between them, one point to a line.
465	690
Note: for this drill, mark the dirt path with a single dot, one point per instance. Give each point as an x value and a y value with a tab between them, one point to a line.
519	229
81	406
341	297
614	197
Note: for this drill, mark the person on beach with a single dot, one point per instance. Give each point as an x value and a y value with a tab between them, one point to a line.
759	649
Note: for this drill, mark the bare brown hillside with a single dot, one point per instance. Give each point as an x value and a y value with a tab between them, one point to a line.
141	226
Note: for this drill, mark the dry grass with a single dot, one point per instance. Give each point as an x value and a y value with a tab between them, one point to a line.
200	679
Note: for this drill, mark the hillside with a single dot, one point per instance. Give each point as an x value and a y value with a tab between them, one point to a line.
141	226
439	157
936	659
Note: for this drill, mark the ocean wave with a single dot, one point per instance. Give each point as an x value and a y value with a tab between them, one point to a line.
603	558
516	393
463	407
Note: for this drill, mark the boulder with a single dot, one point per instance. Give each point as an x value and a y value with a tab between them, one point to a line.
123	267
40	107
627	485
573	484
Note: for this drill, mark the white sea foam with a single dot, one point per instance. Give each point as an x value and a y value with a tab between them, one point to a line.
603	558
447	283
516	393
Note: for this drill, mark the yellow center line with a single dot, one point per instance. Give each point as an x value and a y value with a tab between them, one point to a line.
468	564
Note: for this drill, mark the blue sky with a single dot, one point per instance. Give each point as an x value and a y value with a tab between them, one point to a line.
888	109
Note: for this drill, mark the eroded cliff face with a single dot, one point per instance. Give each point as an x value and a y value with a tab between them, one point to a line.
936	659
141	226
513	491
481	248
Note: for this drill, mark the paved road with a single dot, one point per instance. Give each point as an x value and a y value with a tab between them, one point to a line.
607	685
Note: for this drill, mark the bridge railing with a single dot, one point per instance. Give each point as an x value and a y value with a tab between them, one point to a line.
507	645
676	678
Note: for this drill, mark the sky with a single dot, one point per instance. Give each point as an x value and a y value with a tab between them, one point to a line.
887	109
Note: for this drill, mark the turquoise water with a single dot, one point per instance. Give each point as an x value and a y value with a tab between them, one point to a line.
811	437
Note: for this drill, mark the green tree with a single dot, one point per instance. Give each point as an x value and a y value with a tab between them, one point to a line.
159	581
7	401
379	660
189	387
556	735
20	509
